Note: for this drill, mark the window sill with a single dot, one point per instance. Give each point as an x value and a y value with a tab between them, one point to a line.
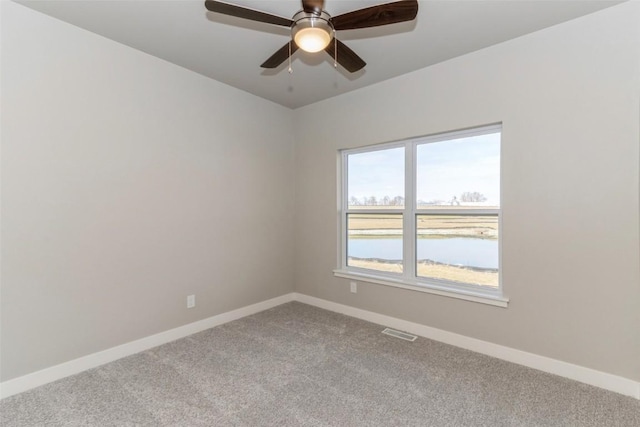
479	296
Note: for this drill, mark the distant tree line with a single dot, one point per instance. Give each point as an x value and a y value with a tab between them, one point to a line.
466	197
374	201
474	196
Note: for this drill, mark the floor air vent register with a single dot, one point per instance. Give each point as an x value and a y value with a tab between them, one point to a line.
402	335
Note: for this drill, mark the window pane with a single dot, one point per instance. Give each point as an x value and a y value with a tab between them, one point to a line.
462	172
459	248
375	242
376	179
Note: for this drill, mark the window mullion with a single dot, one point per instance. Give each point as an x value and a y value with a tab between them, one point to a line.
408	232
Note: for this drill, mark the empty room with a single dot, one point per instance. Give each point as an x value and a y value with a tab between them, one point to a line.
320	213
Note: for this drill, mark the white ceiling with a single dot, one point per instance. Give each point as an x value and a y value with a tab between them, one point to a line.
231	50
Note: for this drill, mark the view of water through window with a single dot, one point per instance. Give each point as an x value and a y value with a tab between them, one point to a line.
448	247
456	200
478	253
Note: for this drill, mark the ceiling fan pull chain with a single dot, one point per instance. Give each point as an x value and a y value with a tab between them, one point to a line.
290	70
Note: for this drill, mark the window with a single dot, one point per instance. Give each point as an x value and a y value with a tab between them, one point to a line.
425	214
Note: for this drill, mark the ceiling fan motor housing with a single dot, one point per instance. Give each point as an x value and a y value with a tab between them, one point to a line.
312	32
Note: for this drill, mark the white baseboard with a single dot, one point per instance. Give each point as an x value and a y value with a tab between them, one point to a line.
600	379
72	367
578	373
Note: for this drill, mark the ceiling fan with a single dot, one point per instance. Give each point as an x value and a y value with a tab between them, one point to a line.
313	29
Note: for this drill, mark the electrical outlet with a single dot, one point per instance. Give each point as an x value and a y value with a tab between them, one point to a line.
354	287
191	301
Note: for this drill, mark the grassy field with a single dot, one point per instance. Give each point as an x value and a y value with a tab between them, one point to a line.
484	227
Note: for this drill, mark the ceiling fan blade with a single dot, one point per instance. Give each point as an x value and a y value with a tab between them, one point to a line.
280	56
384	14
346	57
313	6
245	13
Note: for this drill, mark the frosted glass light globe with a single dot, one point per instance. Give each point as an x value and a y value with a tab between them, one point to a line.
312	39
312	33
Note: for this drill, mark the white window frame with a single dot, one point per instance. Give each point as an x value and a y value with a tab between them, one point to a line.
409	279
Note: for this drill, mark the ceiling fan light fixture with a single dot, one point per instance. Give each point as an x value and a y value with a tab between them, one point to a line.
313	29
312	33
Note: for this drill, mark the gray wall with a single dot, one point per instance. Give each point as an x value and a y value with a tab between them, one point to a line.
127	184
568	98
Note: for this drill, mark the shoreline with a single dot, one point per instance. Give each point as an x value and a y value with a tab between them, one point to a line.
433	269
